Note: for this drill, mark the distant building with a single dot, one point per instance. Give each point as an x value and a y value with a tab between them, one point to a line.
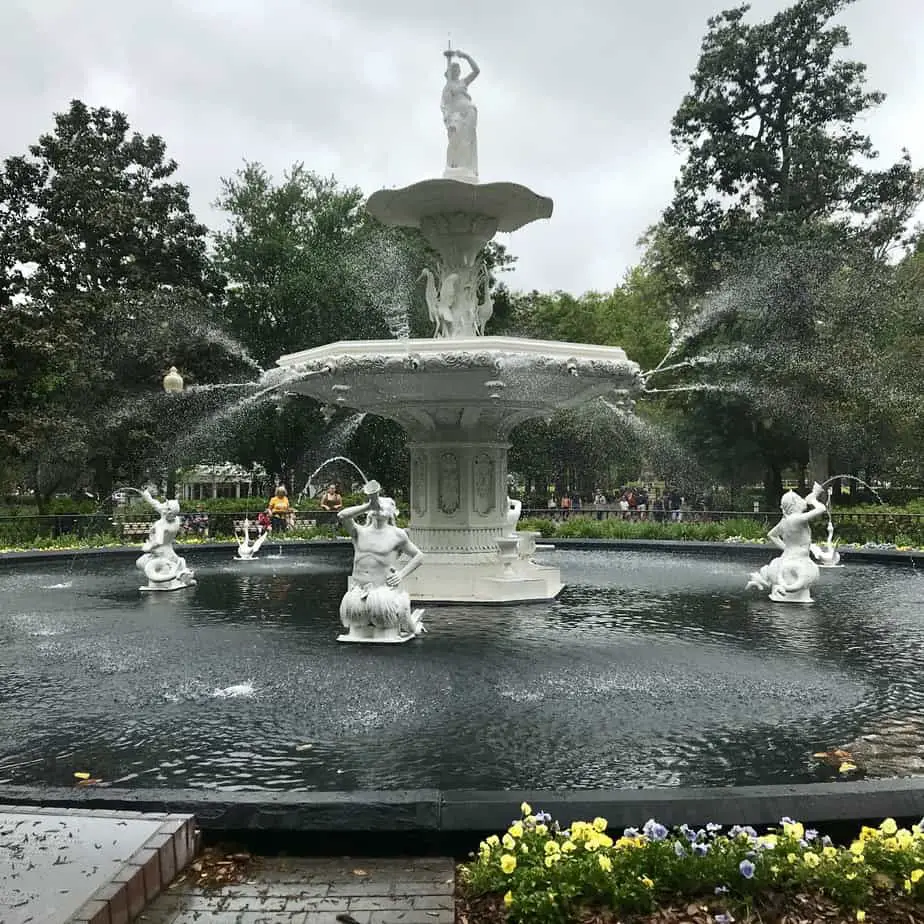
220	479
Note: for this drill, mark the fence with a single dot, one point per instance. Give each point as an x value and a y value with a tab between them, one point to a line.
851	527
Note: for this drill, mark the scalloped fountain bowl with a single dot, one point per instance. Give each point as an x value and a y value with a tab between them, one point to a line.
459	400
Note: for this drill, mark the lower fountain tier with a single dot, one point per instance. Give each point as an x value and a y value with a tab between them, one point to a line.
473	578
458	401
479	388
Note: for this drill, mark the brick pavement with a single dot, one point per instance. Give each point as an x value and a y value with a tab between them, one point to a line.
304	890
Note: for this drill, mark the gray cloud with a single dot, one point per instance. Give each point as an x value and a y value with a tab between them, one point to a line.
575	100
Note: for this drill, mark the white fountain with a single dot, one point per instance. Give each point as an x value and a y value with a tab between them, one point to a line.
460	394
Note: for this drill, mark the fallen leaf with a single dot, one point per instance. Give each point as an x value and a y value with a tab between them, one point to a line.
360	872
80	775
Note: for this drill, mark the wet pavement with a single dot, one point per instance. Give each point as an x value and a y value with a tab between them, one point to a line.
302	890
73	865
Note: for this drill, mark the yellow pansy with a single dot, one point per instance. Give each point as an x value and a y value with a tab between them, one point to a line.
516	829
606	864
850	876
811	860
794	829
888	827
869	834
484	849
829	852
599	824
542	829
768	840
508	863
508	898
552	859
568	847
508	842
494	840
524	848
856	848
526	808
916	875
904	838
645	881
791	857
552	847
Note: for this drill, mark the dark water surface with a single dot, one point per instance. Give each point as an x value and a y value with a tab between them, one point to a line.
652	669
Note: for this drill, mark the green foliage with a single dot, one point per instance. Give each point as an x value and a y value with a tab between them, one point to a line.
634	316
90	209
769	130
105	282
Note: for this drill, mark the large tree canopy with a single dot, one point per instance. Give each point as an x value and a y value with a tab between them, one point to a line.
769	130
104	283
91	209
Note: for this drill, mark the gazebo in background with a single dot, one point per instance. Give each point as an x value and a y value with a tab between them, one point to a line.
220	479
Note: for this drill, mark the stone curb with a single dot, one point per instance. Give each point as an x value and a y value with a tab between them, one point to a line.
434	812
693	546
150	870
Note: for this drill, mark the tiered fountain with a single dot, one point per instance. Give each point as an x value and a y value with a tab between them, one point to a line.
460	394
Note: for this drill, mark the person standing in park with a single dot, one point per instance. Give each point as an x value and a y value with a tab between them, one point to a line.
279	509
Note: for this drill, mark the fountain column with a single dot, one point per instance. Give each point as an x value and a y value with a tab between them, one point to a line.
458	496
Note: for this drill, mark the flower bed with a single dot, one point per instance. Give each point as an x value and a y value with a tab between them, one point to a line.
540	871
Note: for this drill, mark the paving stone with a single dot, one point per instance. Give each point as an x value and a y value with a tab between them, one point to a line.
314	890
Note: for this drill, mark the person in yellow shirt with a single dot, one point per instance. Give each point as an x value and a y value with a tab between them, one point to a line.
279	509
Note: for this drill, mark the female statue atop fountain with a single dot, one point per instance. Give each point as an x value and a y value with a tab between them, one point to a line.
460	116
791	576
375	608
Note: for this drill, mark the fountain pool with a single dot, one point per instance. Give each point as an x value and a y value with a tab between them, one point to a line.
651	669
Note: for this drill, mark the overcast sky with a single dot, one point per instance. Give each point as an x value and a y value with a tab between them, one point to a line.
574	98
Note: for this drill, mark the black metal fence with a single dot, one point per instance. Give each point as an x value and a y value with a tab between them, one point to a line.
24	530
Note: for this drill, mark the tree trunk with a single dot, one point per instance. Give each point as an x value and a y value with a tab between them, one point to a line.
773	487
819	465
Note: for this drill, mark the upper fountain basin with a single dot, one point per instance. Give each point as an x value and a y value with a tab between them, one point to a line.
480	385
512	206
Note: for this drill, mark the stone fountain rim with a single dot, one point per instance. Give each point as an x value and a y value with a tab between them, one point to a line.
513	347
471	812
692	546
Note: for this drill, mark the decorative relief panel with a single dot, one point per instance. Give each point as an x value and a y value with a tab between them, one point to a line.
448	491
483	490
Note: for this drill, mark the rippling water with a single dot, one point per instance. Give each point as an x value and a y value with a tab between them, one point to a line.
650	670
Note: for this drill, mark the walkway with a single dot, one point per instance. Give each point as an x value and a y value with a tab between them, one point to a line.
298	890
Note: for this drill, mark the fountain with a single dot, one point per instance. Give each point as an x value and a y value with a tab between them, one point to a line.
247	550
164	569
460	393
790	576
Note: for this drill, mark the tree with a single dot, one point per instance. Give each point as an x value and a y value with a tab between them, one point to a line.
771	143
104	283
90	209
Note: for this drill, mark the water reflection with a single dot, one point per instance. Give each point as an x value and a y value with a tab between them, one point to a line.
651	669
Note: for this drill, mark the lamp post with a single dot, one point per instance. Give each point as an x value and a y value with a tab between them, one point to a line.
173	382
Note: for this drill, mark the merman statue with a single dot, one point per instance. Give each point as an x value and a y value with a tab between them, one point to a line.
164	569
789	577
375	608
